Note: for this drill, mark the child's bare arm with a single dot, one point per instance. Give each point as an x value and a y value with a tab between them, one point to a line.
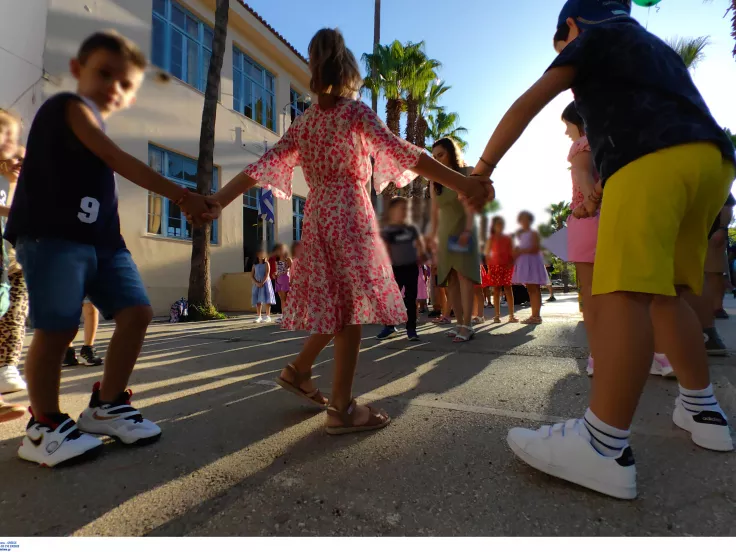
518	117
234	189
421	249
85	127
582	174
4	210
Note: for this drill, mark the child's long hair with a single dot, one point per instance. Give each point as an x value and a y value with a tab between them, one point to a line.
334	68
495	220
571	115
456	157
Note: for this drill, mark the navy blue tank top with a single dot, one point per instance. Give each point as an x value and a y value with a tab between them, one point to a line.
64	190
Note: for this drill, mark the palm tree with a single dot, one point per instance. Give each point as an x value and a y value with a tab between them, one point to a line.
443	124
429	104
691	50
730	9
420	71
200	285
387	79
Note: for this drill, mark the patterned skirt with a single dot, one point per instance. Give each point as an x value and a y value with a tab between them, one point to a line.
500	275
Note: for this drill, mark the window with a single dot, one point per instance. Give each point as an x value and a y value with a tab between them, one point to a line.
297	107
253	90
164	217
298	204
181	43
250	198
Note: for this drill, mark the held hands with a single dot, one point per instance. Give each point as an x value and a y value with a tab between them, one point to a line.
592	203
200	209
479	191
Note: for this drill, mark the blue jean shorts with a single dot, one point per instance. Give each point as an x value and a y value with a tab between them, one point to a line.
60	273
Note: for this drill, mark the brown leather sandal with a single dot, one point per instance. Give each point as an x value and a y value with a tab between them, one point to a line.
377	419
314	397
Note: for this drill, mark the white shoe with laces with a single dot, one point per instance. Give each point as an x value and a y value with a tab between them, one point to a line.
267	320
564	450
258	320
10	380
707	429
117	419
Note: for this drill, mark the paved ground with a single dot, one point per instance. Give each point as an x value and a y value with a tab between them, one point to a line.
240	457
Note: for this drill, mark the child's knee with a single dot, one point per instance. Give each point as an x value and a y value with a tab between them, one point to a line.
139	316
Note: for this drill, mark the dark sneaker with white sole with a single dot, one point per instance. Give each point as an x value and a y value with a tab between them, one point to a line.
714	345
411	335
70	359
89	356
386	333
55	440
118	420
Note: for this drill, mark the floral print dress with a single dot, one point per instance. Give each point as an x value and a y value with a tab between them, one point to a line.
345	275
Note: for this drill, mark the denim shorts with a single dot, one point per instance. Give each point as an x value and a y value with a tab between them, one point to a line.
60	273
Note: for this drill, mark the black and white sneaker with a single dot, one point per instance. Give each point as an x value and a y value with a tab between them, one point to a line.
118	420
55	440
89	356
708	429
70	359
714	345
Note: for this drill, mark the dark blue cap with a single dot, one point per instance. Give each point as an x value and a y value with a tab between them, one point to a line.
588	13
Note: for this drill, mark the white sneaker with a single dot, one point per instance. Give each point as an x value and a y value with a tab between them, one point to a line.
564	451
707	429
661	366
118	420
258	320
267	320
10	380
55	442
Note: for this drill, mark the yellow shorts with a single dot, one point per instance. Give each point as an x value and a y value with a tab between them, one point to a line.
655	218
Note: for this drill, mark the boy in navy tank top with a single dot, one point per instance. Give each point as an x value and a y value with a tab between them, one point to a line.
65	227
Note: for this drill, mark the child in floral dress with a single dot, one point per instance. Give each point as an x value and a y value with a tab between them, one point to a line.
344	278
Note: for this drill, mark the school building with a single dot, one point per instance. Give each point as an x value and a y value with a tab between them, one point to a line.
265	85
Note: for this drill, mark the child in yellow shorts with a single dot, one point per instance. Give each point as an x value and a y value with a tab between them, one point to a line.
666	168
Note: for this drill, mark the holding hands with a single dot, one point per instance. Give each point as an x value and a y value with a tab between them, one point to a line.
589	207
478	192
199	209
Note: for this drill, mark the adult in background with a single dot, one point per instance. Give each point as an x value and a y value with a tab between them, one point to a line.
454	235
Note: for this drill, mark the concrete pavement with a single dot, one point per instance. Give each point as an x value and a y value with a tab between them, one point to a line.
240	457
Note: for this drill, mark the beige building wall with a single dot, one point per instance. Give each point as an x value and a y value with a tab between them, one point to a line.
168	114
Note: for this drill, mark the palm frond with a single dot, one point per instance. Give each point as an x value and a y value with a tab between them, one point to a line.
691	50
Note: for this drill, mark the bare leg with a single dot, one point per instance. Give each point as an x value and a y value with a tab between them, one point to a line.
447	304
585	280
535	298
509	300
268	309
620	372
677	332
122	352
455	297
43	368
497	301
313	346
478	301
258	310
91	321
347	349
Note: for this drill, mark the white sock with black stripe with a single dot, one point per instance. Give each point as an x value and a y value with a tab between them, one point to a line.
701	400
607	440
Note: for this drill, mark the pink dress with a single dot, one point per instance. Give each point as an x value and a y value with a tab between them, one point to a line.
582	234
345	275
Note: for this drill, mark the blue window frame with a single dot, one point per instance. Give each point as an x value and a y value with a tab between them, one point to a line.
297	107
253	90
181	43
250	198
297	205
164	217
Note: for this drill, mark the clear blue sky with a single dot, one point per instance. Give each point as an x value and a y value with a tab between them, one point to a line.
490	55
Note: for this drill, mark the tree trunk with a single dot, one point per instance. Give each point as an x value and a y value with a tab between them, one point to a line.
412	113
200	285
393	118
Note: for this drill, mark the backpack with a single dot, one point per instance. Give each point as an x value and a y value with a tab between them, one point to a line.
179	311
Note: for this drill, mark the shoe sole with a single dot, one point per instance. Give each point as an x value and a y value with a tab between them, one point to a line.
142	442
9	390
717	353
86	456
392	336
624	493
88	363
717	446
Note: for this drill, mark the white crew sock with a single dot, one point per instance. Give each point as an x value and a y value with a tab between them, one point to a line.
607	440
701	400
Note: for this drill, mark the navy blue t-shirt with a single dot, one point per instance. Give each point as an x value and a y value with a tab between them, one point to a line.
636	96
64	190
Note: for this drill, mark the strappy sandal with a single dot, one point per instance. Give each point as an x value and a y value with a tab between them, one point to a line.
479	320
535	320
513	320
453	332
377	419
442	321
314	397
459	338
496	319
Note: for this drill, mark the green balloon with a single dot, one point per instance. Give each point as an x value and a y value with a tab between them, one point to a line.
647	3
